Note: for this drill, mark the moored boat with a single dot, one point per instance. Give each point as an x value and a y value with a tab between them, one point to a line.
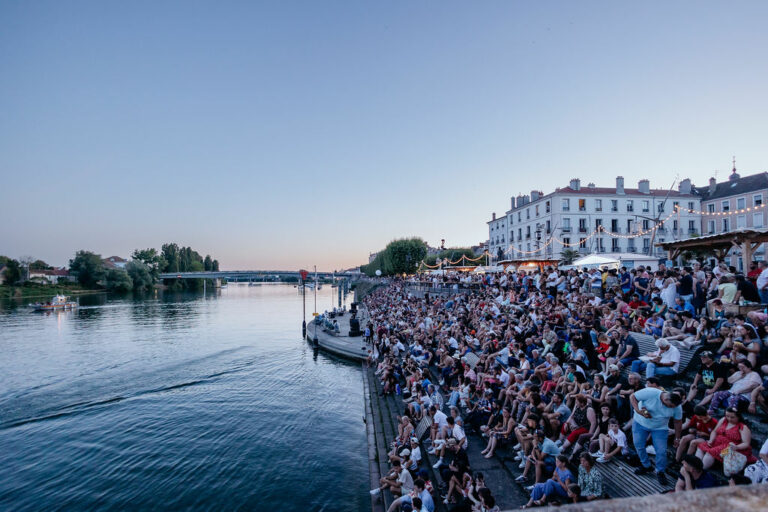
58	302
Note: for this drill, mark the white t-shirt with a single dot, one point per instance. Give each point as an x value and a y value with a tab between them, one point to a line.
461	438
671	355
407	480
762	279
620	438
440	419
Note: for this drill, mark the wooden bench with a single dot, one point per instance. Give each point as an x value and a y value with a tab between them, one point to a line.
620	481
423	427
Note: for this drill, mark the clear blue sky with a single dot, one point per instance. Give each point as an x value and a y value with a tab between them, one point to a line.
287	134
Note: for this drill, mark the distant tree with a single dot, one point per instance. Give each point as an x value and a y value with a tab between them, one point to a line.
140	275
13	272
150	257
118	280
4	259
215	265
88	267
39	265
208	263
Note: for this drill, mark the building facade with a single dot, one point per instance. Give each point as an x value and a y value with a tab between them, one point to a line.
593	219
738	203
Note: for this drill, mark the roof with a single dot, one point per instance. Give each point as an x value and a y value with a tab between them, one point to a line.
627	191
117	259
51	272
723	238
735	187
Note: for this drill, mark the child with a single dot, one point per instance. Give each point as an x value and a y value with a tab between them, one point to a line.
613	443
699	428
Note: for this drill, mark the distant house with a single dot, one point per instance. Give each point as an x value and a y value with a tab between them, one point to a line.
114	262
50	276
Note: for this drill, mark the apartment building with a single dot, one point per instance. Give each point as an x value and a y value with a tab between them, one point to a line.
585	217
737	203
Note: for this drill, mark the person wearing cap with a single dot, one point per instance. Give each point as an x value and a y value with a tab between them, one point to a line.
653	410
693	475
711	377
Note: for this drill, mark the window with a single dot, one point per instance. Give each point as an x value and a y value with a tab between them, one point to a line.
582	205
519	218
630	206
547	207
757	200
615	245
511	236
646	206
741	203
725	225
614	205
726	205
711	227
582	243
674	225
566	205
691	205
646	243
598	205
691	226
598	223
549	227
566	225
566	241
537	210
757	220
502	238
527	213
615	225
741	221
629	226
646	224
710	208
582	225
660	207
675	205
527	232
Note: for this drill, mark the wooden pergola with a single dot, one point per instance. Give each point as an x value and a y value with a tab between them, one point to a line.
746	240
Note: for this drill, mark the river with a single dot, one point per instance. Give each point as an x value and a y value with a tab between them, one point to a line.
178	401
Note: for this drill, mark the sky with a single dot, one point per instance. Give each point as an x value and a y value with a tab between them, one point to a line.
282	135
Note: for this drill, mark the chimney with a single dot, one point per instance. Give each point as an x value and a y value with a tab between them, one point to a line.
644	187
526	199
712	185
575	184
620	185
534	195
685	186
512	201
591	185
494	216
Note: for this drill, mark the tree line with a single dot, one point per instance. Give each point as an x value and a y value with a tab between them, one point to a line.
141	273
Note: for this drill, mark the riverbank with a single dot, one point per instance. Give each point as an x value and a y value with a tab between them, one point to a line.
42	291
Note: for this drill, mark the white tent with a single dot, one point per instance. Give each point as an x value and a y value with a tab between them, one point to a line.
595	261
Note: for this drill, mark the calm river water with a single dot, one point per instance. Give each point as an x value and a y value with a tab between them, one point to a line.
178	402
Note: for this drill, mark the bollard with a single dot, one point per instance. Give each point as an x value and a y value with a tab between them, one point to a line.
304	329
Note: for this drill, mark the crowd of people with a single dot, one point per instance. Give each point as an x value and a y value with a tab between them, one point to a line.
545	365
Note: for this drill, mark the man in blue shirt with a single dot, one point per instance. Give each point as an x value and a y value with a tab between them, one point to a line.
653	409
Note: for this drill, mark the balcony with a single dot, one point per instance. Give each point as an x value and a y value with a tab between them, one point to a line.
601	249
566	229
615	229
631	248
582	208
566	208
582	230
693	232
630	209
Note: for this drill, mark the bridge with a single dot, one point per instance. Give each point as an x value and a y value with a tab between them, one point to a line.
248	275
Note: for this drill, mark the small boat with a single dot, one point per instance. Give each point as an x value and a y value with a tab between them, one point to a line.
58	302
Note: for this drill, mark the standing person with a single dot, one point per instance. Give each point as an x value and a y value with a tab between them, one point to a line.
685	285
762	282
653	410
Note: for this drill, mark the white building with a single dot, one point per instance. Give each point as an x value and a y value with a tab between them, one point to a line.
594	219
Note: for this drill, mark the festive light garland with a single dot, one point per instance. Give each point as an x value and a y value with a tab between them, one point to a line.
724	214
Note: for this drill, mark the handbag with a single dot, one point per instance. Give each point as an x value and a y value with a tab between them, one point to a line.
757	472
733	461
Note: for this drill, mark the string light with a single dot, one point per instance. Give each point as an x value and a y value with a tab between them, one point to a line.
723	214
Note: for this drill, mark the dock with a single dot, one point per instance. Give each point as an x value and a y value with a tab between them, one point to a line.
341	344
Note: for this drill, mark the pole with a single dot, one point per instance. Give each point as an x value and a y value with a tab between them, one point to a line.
304	309
315	289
